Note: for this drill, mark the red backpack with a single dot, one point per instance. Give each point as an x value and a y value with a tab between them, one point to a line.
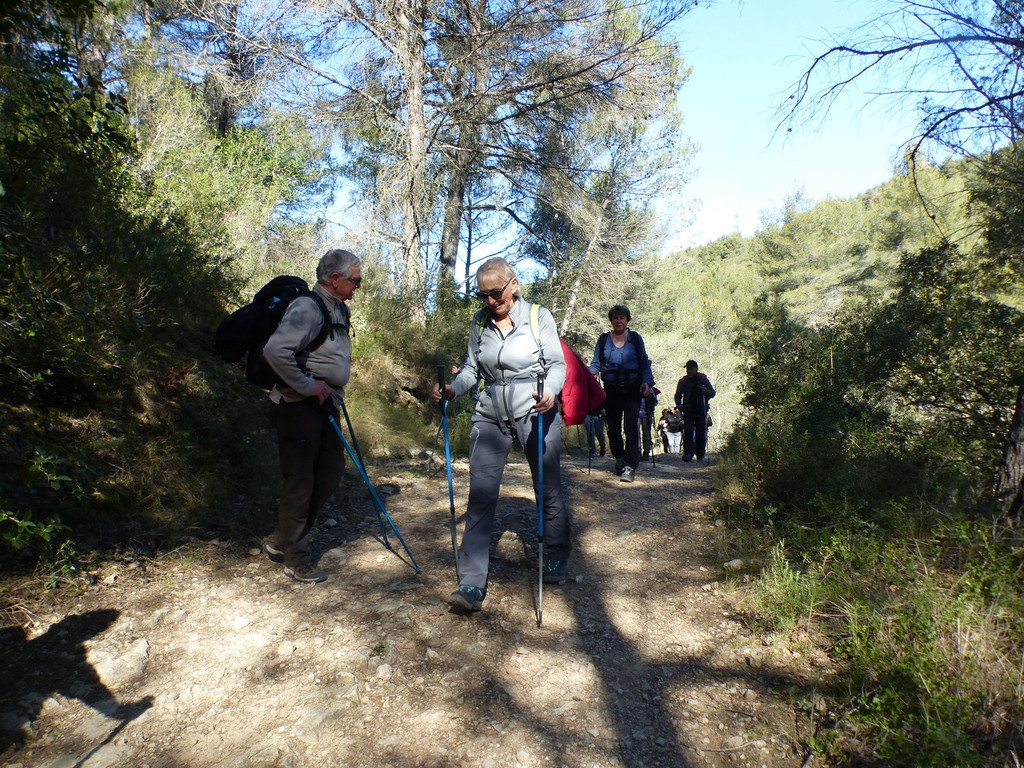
582	391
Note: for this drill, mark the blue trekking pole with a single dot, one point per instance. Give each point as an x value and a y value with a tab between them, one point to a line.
381	510
540	504
448	463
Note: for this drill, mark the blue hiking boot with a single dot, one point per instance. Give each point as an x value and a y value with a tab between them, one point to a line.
556	571
468	598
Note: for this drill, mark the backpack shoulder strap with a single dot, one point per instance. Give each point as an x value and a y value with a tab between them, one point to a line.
479	323
326	326
535	327
601	341
641	352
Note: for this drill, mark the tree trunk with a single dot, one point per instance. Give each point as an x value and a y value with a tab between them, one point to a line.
451	234
1011	475
411	46
471	82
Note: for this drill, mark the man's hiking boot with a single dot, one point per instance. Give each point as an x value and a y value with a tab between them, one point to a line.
601	452
620	463
556	571
687	458
273	554
307	573
468	598
628	475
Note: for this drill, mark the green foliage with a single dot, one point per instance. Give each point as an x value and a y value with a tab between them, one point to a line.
115	247
786	595
869	444
19	533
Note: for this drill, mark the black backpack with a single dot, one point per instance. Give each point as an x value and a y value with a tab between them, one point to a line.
245	331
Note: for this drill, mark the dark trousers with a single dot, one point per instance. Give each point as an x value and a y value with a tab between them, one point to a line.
488	454
312	461
622	411
595	432
695	435
645	434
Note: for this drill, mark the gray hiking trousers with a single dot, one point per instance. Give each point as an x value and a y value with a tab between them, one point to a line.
489	446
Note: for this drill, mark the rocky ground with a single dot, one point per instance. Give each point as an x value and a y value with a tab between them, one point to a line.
209	656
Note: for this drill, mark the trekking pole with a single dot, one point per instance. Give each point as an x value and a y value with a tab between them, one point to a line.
540	504
381	510
358	459
448	464
590	453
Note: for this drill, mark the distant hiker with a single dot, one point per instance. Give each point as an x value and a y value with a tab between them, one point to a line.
692	394
507	354
648	404
312	457
594	424
620	359
671	427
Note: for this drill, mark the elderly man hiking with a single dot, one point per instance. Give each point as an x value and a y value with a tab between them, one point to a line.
310	389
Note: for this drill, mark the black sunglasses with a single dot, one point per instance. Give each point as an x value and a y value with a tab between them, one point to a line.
494	293
356	281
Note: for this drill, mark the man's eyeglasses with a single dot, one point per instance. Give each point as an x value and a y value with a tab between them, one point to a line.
356	281
495	293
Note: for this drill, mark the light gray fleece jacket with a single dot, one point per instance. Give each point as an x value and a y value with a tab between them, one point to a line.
332	361
509	361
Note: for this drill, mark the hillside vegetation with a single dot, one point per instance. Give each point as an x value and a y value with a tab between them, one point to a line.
868	352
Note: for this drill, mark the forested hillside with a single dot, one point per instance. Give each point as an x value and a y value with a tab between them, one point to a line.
160	161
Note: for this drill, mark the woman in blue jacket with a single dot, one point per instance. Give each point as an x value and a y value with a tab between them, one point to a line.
621	362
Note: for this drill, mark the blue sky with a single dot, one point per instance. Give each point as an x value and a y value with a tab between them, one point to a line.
744	57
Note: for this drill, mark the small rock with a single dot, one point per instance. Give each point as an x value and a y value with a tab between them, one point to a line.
733	565
330	522
286	648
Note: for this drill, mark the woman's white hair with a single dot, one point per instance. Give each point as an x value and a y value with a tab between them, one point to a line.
497	265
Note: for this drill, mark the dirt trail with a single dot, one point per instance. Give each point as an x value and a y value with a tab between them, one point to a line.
218	660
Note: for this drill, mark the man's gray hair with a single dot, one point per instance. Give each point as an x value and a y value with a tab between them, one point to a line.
338	261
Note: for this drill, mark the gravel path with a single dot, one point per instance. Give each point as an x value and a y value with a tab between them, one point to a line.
211	657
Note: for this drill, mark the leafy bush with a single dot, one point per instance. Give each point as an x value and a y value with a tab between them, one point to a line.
870	445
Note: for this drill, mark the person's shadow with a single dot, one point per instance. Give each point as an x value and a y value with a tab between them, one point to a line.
55	663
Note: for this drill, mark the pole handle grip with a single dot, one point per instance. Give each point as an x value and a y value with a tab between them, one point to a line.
540	386
441	383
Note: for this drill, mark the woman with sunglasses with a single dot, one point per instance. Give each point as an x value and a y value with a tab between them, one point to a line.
509	355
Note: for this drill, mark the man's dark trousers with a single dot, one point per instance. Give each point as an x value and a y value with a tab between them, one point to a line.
312	462
695	435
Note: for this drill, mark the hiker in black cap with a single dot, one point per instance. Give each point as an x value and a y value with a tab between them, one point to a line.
621	361
692	394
